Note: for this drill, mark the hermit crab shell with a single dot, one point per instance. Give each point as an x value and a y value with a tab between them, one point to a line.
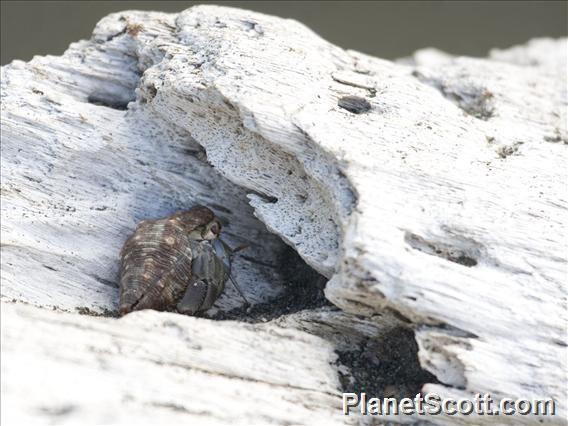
158	264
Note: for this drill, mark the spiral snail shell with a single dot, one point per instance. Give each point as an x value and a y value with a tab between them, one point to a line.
177	263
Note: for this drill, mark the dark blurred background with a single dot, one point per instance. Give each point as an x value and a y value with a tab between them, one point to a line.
384	29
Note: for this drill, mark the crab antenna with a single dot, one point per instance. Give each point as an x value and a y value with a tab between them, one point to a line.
239	290
239	248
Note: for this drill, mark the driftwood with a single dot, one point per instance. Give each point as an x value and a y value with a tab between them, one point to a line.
430	192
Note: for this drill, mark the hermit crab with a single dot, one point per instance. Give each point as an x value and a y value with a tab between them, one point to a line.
177	263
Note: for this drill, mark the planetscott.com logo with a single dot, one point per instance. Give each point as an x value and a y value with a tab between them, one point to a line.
432	404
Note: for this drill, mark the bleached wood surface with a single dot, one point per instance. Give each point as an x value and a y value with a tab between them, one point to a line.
444	203
159	368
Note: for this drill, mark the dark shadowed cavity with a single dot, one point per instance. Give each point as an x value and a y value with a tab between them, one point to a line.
385	368
303	290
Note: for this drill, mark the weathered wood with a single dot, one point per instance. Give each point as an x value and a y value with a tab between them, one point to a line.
151	367
434	188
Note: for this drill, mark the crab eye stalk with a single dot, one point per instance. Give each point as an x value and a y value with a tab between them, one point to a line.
212	230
